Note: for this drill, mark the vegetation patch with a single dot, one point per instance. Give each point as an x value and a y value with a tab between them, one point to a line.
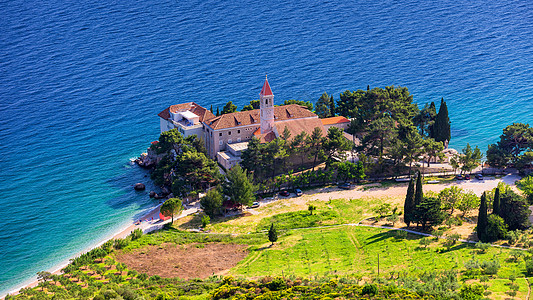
298	219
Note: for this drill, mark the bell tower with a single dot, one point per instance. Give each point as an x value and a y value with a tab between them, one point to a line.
266	107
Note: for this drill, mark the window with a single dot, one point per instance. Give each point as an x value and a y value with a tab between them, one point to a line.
266	101
229	141
220	134
221	142
238	140
229	132
239	131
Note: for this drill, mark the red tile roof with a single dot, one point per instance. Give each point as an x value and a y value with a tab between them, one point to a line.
296	127
266	91
244	118
334	120
196	109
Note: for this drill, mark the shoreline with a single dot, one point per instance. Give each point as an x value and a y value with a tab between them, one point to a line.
123	232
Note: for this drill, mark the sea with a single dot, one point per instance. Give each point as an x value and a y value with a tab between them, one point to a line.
82	82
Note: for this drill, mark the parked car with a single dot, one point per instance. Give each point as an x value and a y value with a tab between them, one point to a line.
254	205
298	192
467	177
345	186
459	177
479	176
284	193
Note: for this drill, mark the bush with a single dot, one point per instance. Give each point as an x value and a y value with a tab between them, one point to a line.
490	267
512	237
529	267
277	284
205	221
400	234
369	289
482	247
136	234
471	291
121	243
496	228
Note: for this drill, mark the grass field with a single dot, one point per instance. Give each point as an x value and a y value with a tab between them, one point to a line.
290	213
351	251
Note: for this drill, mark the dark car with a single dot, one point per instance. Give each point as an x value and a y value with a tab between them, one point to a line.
284	193
479	176
345	186
459	177
298	192
467	177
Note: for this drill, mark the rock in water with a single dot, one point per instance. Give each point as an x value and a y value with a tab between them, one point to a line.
152	194
139	187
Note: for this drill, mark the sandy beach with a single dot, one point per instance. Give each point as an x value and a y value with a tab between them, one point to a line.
149	222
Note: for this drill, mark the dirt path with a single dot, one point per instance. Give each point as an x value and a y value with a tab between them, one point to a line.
399	190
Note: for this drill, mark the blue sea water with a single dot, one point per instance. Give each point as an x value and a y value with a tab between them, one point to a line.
81	84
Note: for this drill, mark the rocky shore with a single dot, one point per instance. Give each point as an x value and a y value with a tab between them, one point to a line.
149	160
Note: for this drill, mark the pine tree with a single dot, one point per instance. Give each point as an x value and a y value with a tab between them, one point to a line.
496	203
442	124
409	205
482	219
331	106
272	234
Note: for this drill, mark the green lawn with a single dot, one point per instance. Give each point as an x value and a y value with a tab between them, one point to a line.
353	251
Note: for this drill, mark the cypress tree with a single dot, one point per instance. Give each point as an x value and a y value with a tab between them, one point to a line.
431	128
409	205
442	124
496	203
211	109
482	220
419	194
332	106
218	112
272	234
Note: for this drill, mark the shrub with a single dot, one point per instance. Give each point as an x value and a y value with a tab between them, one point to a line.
369	289
471	291
136	234
482	247
400	234
121	243
529	267
490	267
205	221
277	284
512	237
496	228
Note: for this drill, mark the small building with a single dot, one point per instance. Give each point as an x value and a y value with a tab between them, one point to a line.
338	121
186	117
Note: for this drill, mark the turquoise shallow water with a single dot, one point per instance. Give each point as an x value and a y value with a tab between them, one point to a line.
81	84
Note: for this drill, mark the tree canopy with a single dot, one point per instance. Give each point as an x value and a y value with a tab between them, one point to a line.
229	108
211	203
171	207
306	104
238	186
514	147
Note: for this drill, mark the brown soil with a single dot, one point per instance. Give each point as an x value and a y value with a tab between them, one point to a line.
184	261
